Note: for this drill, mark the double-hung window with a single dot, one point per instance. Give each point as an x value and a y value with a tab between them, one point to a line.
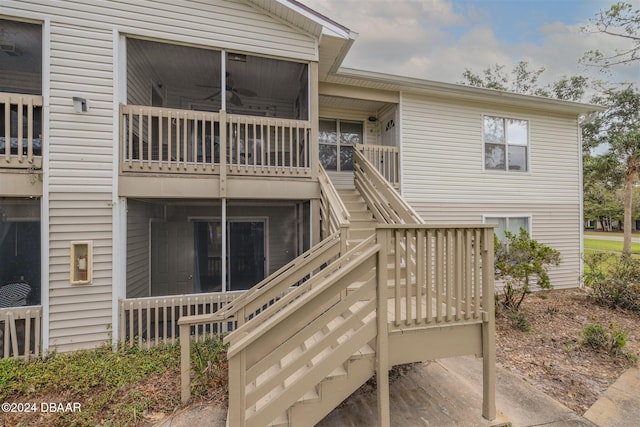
506	144
337	138
512	224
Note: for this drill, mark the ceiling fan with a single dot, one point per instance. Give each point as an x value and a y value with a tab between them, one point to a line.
232	89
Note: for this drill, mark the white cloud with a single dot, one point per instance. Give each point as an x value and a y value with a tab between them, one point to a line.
435	40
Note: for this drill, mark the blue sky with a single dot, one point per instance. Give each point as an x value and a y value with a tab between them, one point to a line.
438	39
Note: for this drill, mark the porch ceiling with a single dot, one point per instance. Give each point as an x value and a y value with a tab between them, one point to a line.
350	103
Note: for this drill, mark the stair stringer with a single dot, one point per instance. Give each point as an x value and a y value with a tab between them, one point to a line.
334	391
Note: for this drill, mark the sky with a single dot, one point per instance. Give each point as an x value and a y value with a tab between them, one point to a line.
439	39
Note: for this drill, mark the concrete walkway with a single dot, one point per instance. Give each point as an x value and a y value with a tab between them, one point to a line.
619	405
449	393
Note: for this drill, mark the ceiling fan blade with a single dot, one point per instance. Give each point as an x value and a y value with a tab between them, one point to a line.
212	96
245	92
235	99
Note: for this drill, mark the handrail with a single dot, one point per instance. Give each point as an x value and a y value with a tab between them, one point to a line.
291	327
302	289
383	200
386	159
273	286
333	213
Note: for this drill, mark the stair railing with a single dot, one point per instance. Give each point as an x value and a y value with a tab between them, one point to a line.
276	285
302	328
385	203
334	215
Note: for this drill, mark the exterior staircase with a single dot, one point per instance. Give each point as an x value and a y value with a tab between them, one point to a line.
383	289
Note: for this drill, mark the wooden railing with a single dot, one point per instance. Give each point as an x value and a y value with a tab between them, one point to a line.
448	280
148	322
387	206
257	348
20	332
385	159
20	130
254	302
448	267
333	213
157	139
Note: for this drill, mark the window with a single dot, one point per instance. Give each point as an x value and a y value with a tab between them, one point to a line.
505	144
512	224
337	138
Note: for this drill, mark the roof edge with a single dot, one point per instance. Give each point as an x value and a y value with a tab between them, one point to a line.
417	85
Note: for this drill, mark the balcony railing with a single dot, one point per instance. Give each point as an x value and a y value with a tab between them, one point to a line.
20	332
385	159
20	130
162	140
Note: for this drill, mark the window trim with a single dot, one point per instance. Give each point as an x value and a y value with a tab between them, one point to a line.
506	144
529	218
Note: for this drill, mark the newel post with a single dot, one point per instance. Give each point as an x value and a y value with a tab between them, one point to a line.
488	328
237	392
185	363
382	341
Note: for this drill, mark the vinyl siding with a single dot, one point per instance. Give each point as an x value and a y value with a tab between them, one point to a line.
444	180
81	146
233	25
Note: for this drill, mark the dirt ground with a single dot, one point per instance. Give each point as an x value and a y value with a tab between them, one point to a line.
551	355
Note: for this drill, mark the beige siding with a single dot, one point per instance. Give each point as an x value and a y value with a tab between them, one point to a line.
443	175
80	165
218	23
80	184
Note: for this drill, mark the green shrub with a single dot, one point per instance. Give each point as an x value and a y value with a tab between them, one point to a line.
520	262
611	340
614	280
520	320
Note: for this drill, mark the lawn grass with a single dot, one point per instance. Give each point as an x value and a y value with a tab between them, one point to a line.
608	245
113	388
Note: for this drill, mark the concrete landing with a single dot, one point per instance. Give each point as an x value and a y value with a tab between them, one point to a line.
448	392
619	405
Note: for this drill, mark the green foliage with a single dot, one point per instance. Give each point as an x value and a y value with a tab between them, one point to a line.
614	280
525	81
611	340
520	320
113	387
209	365
620	20
618	130
521	262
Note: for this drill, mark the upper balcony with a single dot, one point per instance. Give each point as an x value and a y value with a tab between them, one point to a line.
198	112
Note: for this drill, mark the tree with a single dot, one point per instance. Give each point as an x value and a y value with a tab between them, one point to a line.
603	189
619	128
519	261
620	20
523	80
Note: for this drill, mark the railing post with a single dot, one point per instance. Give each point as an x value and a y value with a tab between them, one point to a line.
237	395
185	363
382	341
488	329
223	153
